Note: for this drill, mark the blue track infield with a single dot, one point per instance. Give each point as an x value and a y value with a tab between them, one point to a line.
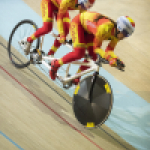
130	114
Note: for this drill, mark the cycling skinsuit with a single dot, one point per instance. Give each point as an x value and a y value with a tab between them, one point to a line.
89	34
59	10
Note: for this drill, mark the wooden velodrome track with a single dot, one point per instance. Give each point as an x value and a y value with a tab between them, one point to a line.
36	115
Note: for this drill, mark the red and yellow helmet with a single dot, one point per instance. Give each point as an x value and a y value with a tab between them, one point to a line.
126	25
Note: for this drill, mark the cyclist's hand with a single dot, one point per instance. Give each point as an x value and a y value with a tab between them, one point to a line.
120	64
116	62
113	62
62	39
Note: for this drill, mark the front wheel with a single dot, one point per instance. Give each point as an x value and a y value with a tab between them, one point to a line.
24	28
92	113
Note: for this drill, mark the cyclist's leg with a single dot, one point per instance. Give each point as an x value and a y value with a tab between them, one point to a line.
47	9
82	68
77	34
57	44
89	41
78	39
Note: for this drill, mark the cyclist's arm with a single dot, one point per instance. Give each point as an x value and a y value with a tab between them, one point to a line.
110	55
97	49
110	49
100	36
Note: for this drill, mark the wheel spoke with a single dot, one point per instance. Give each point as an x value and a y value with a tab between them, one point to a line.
14	48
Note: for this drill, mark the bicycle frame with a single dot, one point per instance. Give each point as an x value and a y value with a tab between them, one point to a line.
89	89
93	67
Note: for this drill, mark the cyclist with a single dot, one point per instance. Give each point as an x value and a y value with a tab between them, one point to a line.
88	31
59	10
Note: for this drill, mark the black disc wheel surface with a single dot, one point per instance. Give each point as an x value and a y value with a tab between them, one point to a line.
92	110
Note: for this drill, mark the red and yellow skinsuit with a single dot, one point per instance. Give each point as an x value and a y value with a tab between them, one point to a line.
88	34
59	10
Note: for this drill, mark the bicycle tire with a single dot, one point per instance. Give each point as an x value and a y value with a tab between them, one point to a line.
84	110
21	64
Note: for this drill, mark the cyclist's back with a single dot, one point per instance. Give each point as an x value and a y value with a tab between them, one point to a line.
92	26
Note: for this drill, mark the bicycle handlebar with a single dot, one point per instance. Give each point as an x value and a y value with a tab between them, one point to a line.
104	61
101	60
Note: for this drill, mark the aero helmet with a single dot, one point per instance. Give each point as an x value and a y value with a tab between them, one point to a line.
125	25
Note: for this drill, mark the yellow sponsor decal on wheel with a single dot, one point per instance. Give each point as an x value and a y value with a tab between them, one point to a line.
107	88
77	89
90	124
